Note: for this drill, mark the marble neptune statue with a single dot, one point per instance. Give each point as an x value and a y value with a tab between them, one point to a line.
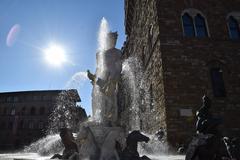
105	82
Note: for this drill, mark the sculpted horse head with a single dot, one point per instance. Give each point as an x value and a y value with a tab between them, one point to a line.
136	136
130	152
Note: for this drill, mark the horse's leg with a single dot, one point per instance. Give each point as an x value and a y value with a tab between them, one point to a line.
145	158
56	156
116	155
196	154
74	156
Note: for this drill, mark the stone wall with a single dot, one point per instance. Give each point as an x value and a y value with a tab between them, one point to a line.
143	43
187	63
178	68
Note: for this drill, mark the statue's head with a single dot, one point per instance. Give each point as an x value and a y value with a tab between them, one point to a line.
206	101
112	39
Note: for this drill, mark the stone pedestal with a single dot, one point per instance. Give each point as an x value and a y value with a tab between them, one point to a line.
101	133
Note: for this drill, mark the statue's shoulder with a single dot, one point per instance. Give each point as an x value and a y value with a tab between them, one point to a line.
113	51
117	50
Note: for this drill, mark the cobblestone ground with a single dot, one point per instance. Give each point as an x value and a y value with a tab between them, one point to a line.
34	156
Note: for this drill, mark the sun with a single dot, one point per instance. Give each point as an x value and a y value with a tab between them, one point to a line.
55	55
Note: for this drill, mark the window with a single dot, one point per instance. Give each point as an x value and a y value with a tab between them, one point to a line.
41	124
218	82
9	99
194	24
188	25
36	98
201	30
15	99
23	111
42	111
46	98
33	111
234	30
31	125
12	111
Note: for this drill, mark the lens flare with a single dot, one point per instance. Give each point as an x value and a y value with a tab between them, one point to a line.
12	35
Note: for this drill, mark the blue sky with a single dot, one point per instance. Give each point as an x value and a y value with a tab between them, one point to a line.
73	24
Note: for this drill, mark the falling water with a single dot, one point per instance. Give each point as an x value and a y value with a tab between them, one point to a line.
102	35
97	94
64	113
154	147
133	80
102	46
48	145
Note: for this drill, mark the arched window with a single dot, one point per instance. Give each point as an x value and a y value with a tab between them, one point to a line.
234	29
33	111
194	23
200	25
188	25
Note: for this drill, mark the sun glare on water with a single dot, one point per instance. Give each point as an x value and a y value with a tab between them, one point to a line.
55	55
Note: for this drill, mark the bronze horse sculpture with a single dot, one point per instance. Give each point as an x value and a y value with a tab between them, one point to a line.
205	144
70	147
130	151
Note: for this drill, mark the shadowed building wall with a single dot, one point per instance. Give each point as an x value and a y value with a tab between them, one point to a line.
187	48
24	116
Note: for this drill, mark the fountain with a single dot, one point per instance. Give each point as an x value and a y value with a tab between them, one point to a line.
98	137
103	131
105	81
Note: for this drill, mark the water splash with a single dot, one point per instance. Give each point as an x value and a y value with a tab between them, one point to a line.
102	35
65	112
153	147
137	90
48	145
133	79
77	80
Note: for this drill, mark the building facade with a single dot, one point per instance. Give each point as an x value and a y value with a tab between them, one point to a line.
24	115
187	48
